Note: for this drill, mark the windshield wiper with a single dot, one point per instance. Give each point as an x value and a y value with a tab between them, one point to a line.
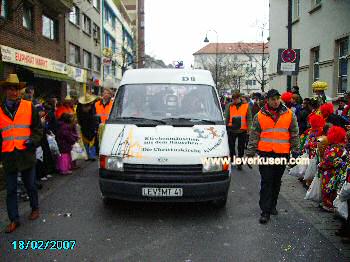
141	119
190	119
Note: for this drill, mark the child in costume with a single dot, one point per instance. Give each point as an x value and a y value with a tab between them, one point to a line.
332	167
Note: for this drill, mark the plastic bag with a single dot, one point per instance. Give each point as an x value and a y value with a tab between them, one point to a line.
341	207
295	171
311	169
299	170
78	152
345	192
39	154
53	145
314	191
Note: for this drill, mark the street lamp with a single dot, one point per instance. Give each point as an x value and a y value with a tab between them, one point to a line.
206	40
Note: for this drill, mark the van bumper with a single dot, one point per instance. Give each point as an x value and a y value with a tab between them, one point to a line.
130	188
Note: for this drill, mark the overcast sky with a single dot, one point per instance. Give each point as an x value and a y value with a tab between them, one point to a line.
175	29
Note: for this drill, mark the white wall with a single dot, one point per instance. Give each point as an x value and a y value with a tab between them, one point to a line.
200	59
320	28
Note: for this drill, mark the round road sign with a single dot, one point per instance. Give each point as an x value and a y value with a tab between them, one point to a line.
288	56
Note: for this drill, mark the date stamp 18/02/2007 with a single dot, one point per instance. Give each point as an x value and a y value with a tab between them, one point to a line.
44	244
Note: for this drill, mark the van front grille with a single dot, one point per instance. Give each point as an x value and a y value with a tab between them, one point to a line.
163	169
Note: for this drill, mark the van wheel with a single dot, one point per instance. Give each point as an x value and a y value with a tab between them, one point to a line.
220	203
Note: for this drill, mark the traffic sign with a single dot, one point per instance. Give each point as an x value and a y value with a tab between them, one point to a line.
288	61
289	56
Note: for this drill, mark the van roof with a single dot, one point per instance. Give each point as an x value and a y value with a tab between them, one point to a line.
169	76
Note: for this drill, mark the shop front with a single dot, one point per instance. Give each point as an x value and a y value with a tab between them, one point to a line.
79	76
48	77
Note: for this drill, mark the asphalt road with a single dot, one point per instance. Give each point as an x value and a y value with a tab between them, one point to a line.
166	232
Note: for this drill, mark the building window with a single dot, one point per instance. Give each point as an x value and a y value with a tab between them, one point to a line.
109	17
114	72
3	8
295	9
96	32
316	2
87	60
96	4
28	17
74	15
49	27
315	55
74	54
107	70
97	63
109	42
343	51
86	24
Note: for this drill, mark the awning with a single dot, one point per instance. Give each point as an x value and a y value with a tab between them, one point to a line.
50	75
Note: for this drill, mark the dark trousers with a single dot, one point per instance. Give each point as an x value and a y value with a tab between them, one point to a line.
271	176
28	178
232	137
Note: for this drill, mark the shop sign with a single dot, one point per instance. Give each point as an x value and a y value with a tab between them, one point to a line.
76	73
106	61
16	56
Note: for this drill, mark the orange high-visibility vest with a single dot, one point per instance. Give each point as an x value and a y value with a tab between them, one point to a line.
275	137
242	112
15	132
63	110
103	111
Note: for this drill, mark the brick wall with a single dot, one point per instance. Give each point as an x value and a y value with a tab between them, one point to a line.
13	33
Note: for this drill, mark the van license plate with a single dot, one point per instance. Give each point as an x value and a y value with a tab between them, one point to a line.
162	192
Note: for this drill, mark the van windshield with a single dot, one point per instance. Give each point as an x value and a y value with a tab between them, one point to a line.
170	102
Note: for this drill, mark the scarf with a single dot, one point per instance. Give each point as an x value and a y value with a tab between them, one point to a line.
274	112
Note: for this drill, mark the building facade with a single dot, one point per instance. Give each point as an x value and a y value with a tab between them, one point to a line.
32	43
117	42
240	66
321	31
83	45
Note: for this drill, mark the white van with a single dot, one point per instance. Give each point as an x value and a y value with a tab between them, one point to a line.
163	126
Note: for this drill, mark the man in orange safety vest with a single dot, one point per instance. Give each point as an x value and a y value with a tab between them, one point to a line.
274	134
20	134
238	120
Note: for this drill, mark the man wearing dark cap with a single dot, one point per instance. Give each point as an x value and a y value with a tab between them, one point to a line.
238	120
274	134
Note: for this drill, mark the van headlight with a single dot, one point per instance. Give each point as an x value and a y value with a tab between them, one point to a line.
215	164
111	163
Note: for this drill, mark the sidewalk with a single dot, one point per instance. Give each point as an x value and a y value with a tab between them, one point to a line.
323	221
2	178
49	186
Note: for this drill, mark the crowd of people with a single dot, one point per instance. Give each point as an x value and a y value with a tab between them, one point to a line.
40	136
316	129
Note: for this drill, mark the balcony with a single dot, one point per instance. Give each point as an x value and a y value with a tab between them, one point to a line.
60	6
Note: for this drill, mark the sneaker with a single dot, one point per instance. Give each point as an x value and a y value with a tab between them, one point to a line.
264	218
49	176
44	178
